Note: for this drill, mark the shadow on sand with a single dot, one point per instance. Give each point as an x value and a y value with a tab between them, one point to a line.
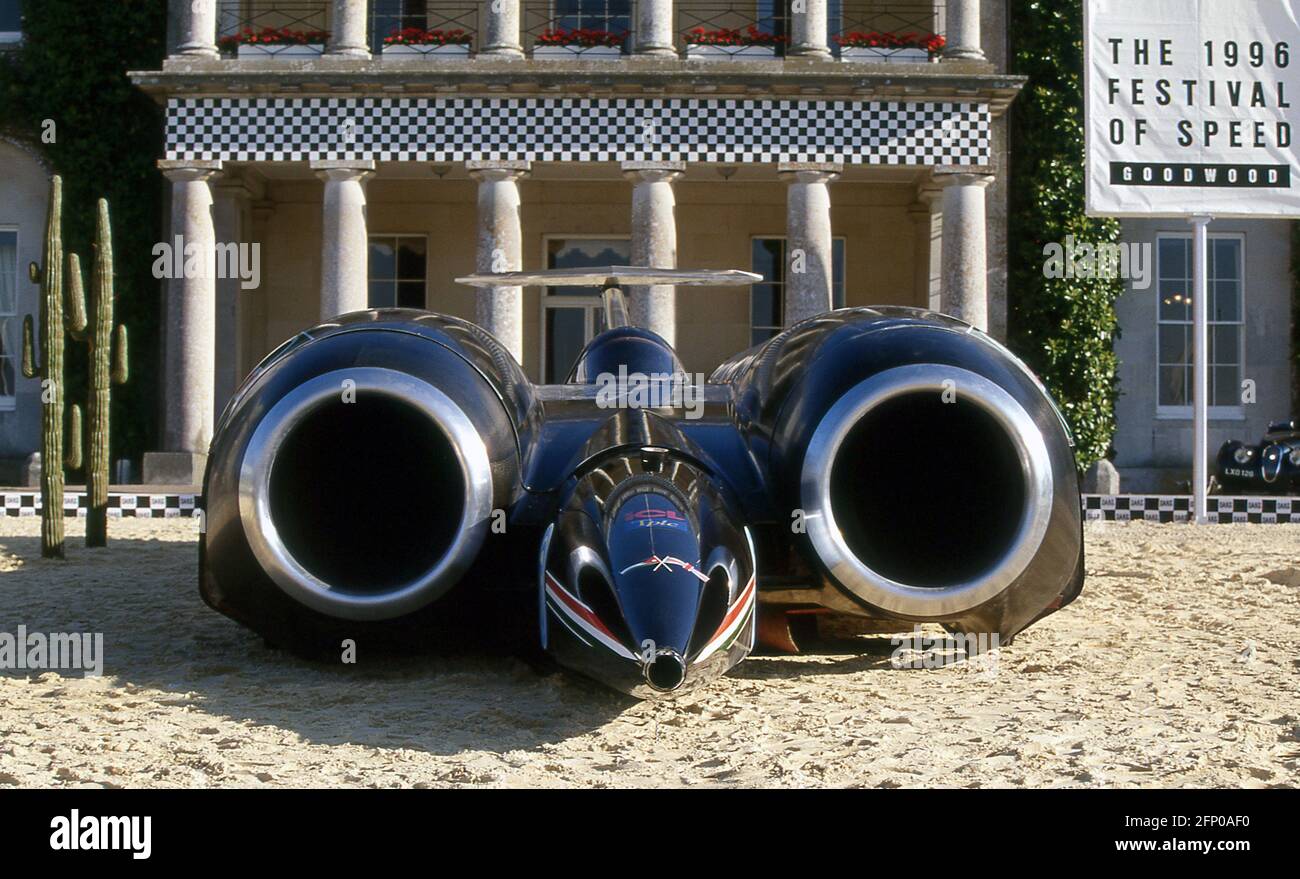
159	635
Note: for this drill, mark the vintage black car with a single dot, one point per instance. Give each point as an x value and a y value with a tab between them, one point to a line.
1272	466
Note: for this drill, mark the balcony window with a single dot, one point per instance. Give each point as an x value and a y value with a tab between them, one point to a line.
614	16
589	28
899	24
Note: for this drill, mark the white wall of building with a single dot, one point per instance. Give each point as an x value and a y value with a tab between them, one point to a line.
24	193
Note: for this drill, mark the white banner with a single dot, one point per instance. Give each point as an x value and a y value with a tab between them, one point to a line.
1193	107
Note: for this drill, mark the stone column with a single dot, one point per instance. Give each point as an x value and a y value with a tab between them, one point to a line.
500	248
198	27
189	328
501	29
230	220
808	270
348	29
654	28
965	249
654	243
809	38
253	318
926	248
963	26
345	246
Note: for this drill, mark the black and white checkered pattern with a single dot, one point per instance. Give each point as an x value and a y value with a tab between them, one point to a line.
1177	508
1110	508
578	130
156	506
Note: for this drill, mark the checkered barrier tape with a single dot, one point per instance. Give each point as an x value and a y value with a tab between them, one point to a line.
1110	508
578	130
156	506
1177	508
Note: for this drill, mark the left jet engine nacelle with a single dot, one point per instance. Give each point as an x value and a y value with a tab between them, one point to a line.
353	477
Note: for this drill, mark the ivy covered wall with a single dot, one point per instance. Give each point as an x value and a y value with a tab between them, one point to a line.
64	90
1064	328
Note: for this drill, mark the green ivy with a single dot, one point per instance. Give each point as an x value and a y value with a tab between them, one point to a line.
71	71
1065	328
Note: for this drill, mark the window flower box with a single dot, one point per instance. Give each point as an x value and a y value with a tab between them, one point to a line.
250	43
889	48
581	43
418	41
577	52
286	50
725	43
450	50
725	52
860	54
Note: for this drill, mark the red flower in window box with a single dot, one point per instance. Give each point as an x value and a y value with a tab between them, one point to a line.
750	36
418	36
885	40
273	36
584	37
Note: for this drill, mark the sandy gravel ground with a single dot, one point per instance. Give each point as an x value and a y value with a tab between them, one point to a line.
1179	666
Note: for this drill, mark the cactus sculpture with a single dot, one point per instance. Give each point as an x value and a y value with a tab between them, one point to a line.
106	345
50	371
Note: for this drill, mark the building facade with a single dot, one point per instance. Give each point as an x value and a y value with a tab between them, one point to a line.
329	170
526	135
24	190
1251	350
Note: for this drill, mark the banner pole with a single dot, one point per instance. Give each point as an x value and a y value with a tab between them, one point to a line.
1200	367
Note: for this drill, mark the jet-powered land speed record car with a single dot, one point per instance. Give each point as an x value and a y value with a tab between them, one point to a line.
392	477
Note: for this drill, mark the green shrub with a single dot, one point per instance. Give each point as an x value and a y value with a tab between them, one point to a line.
71	70
1065	328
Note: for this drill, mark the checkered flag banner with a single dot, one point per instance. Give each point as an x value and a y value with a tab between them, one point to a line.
577	130
1177	508
76	504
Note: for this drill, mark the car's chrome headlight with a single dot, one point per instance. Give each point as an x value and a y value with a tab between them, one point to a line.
1243	455
1295	457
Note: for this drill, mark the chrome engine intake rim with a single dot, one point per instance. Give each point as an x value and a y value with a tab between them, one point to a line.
828	540
255	494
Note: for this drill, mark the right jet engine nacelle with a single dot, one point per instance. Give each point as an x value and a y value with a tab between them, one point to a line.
934	476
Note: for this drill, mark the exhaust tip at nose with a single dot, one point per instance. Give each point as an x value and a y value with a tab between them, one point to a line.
666	672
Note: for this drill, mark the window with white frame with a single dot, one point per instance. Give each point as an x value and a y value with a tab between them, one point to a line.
399	271
767	299
614	16
1174	324
10	328
571	316
11	21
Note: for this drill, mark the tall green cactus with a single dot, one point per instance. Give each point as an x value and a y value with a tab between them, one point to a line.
50	371
106	345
